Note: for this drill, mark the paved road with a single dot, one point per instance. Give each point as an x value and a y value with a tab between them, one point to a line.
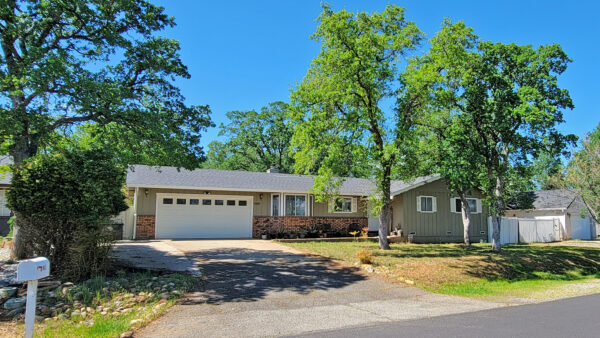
258	288
572	317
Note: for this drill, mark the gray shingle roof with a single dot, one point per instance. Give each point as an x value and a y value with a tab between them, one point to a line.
552	199
212	179
399	187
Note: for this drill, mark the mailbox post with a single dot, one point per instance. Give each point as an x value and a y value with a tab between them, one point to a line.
31	270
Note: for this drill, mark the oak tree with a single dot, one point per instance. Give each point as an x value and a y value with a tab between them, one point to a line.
63	63
343	99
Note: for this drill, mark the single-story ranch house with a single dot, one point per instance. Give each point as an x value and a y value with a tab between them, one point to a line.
205	203
168	202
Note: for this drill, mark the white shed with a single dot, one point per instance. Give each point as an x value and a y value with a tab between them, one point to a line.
564	206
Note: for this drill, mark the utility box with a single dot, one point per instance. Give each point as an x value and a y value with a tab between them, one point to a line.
33	269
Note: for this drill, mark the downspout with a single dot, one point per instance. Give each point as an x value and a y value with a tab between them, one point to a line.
135	198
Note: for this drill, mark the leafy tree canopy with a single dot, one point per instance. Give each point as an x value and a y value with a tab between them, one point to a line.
256	141
508	96
99	61
339	106
583	172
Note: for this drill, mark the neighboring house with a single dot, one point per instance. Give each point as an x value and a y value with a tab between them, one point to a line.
5	213
208	203
564	206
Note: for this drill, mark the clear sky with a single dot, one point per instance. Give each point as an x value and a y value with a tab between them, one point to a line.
244	54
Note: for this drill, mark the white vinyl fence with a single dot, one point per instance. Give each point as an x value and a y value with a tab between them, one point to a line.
525	230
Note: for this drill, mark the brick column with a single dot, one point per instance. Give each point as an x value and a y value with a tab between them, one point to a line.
145	227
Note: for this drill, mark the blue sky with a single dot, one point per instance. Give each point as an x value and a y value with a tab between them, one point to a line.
244	54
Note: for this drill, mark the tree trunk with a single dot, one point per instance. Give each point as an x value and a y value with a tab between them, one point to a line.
466	216
21	150
384	221
498	210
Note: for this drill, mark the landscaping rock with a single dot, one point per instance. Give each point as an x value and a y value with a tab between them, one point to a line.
14	303
7	292
75	315
16	312
136	322
126	334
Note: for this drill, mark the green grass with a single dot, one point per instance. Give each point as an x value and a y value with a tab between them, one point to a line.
518	271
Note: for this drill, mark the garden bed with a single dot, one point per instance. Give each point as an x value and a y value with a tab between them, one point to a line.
391	239
98	307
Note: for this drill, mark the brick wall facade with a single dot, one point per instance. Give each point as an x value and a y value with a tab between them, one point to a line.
288	224
145	227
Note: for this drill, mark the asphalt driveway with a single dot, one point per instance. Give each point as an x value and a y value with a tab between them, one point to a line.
257	288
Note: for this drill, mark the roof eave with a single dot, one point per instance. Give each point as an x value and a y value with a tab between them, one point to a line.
411	187
155	186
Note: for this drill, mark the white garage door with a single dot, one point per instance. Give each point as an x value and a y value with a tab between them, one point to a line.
580	227
203	216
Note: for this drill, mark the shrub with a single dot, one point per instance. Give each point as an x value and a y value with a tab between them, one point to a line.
63	203
365	256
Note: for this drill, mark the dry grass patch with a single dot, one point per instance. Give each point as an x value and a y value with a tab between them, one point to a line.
476	271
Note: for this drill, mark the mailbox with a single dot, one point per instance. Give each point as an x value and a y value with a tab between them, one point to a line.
33	269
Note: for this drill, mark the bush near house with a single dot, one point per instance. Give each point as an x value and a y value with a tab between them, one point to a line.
63	203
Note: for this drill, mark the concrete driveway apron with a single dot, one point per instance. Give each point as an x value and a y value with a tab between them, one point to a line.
257	288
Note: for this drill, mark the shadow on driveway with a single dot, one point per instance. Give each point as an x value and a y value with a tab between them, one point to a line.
239	275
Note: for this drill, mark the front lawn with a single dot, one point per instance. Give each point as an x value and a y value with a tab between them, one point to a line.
535	271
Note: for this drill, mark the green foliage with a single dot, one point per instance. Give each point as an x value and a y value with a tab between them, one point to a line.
339	106
63	203
256	141
583	172
96	61
494	107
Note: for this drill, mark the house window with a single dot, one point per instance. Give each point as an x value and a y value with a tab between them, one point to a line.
206	202
167	201
343	204
473	205
194	201
426	204
230	202
295	205
218	202
4	210
181	201
242	203
275	205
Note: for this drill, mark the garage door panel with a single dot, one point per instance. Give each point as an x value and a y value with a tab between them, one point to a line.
204	221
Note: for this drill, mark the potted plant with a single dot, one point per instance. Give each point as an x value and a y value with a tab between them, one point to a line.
264	236
302	233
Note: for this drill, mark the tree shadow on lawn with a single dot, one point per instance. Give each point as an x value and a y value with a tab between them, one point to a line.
242	275
514	262
523	262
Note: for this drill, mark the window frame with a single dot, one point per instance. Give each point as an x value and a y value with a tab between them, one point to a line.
306	211
334	204
278	207
478	207
420	204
